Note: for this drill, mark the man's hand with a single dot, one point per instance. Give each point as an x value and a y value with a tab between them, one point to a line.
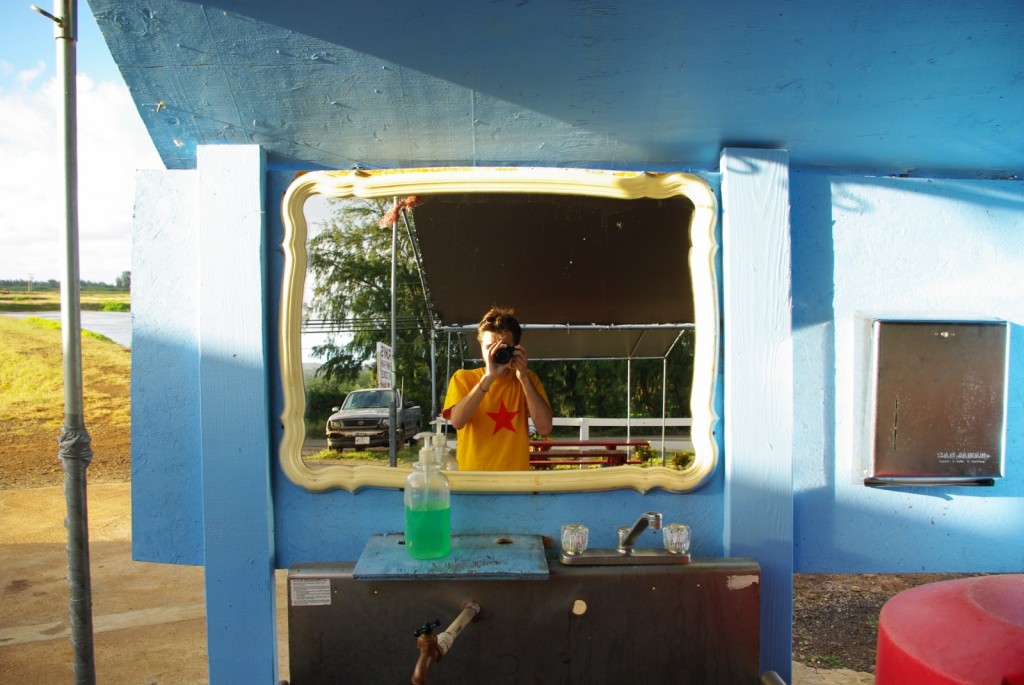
492	367
540	411
519	361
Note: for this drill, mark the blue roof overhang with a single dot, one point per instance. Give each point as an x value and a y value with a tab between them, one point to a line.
875	85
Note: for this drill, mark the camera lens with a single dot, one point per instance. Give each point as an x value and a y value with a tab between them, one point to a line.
504	355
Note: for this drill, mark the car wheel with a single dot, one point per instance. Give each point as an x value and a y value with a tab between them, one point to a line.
400	437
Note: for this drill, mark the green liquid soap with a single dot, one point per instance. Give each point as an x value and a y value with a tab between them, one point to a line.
428	532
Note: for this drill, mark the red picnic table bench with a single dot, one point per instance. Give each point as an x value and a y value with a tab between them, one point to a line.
545	454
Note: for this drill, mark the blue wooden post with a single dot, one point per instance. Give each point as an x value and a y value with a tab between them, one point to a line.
167	486
237	507
758	384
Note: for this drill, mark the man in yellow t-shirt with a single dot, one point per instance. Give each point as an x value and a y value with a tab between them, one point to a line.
489	406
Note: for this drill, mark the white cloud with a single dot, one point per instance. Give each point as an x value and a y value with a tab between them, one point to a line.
112	144
27	77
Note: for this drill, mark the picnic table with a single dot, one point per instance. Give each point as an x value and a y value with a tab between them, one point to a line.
604	451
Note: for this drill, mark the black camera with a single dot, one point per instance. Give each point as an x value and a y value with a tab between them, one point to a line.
503	355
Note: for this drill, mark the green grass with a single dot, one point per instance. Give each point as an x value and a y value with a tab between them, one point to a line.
49	300
405	456
32	385
679	461
55	326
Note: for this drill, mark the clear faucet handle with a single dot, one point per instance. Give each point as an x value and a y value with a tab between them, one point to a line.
574	538
676	537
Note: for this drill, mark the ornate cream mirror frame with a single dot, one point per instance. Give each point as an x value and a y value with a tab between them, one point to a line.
391	183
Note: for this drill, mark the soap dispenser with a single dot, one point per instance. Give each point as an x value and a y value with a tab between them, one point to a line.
443	456
428	512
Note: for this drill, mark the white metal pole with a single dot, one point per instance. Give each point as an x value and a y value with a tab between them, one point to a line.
433	374
74	448
392	428
629	396
664	404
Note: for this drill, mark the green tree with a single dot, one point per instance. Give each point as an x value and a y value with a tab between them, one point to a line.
350	261
598	388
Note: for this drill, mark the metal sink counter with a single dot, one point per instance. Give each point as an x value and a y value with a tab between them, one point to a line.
687	623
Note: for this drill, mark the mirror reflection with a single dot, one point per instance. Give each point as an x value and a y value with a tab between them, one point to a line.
611	276
493	406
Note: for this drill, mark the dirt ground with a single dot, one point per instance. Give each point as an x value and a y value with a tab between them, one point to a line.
28	459
835	616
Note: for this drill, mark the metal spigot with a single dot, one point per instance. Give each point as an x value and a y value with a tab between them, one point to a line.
626	542
433	647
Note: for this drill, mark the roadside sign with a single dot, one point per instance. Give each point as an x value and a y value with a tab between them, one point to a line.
385	372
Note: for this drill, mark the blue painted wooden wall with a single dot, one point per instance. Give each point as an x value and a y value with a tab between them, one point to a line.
932	246
786	493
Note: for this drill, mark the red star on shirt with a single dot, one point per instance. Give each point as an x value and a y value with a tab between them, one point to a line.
503	418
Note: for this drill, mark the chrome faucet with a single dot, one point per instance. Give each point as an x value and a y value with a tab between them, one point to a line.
628	536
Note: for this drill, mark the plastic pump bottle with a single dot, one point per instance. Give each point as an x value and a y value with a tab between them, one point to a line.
428	511
443	456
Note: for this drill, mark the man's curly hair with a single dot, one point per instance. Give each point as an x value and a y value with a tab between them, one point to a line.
500	320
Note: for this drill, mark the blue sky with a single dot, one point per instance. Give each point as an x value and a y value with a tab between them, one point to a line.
113	144
28	38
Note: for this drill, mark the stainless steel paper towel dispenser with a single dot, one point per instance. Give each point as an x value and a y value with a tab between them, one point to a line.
931	400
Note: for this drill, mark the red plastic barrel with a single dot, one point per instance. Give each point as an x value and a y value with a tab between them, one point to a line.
956	632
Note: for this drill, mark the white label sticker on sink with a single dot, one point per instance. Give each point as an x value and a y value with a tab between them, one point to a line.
310	592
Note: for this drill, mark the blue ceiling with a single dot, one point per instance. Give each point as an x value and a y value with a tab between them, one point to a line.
879	86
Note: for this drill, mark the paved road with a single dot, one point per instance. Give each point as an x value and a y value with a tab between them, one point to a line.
115	325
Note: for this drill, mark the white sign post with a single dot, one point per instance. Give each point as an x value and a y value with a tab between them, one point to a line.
385	379
385	374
